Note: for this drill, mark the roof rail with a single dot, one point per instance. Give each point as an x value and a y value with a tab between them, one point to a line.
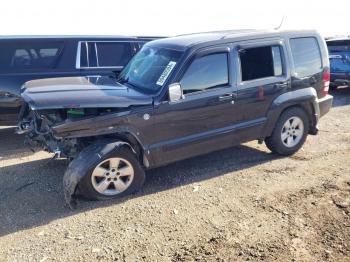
242	31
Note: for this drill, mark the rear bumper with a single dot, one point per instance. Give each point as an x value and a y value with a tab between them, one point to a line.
322	107
325	104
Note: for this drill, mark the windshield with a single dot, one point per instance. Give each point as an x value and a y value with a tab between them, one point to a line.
150	68
339	46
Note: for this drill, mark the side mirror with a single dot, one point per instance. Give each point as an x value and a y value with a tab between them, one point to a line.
175	92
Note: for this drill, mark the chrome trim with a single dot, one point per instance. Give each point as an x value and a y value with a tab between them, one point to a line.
78	58
103	67
126	41
96	54
87	54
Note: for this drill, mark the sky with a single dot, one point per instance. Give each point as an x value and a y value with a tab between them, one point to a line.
169	17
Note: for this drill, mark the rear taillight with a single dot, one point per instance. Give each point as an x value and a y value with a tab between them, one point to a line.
326	82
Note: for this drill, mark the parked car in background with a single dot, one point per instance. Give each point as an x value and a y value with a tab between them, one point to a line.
34	57
177	98
339	56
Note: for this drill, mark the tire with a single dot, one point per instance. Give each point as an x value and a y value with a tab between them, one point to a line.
90	181
278	143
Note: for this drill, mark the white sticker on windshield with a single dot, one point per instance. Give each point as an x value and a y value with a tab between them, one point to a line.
166	73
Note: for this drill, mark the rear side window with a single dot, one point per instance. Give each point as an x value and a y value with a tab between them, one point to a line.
306	56
206	72
261	62
113	54
16	56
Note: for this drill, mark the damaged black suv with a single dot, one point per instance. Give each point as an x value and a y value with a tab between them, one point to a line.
177	98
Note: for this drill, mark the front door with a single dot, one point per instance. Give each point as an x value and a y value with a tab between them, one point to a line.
200	122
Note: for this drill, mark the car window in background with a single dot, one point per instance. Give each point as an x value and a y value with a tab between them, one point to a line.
338	46
83	55
260	62
14	56
111	54
339	55
21	58
92	54
206	72
306	56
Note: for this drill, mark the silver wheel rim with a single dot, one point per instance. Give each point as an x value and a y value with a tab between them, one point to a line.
112	176
292	131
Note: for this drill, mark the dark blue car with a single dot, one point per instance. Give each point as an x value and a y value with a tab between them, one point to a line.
339	56
25	58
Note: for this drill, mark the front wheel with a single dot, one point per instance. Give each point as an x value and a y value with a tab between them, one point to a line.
289	133
117	174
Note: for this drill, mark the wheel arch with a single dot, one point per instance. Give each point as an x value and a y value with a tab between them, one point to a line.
132	142
99	147
303	98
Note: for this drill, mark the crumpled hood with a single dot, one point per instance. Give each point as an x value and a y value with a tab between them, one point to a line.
81	92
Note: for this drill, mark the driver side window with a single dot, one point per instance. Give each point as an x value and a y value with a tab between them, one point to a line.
206	72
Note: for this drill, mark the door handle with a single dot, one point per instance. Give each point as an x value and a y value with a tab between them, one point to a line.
226	97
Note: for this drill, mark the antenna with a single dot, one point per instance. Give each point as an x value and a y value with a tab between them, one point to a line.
280	25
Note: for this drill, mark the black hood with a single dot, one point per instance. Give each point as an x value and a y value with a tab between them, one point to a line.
81	92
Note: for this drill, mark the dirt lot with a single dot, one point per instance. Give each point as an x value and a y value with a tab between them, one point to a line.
239	204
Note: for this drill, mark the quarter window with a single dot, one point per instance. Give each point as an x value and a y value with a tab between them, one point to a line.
306	56
261	62
206	72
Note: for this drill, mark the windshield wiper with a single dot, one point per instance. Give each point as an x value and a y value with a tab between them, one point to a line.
130	84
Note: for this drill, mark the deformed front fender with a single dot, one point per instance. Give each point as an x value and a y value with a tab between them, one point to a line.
78	168
299	97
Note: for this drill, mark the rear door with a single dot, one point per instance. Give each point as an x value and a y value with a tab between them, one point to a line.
263	75
104	58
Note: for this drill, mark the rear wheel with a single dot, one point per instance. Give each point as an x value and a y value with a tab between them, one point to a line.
289	133
117	174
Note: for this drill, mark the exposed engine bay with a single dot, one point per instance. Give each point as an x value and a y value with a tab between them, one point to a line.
38	126
64	115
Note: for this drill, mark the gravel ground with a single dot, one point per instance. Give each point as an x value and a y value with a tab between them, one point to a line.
238	204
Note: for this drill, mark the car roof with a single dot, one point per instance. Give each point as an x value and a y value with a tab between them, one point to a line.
338	39
183	42
76	37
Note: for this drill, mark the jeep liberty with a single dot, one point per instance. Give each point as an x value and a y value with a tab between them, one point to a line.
177	98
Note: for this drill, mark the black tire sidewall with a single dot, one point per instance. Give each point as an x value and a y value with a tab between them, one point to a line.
86	188
275	142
